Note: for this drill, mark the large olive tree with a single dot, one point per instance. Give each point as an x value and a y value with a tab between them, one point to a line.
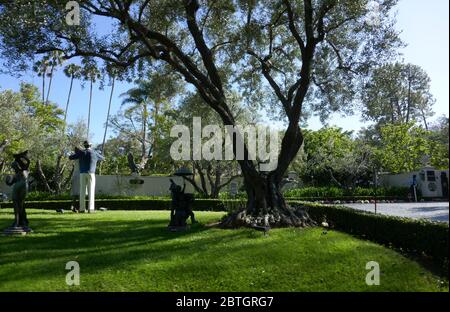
306	54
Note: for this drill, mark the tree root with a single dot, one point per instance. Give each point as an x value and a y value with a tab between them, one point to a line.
278	218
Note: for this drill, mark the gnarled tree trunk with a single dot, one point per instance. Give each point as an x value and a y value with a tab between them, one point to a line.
266	205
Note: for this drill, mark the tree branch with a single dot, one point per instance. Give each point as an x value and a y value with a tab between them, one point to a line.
292	26
323	11
191	9
265	67
340	59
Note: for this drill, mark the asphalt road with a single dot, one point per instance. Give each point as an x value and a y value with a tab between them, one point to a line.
431	211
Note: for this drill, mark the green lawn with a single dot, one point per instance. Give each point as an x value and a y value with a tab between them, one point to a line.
133	251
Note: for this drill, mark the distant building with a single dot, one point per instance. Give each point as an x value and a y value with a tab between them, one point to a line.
430	182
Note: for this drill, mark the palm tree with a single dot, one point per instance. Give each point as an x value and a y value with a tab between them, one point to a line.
91	73
54	59
72	71
45	68
113	73
41	67
108	114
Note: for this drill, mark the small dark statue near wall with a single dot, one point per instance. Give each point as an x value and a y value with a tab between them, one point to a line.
19	183
181	207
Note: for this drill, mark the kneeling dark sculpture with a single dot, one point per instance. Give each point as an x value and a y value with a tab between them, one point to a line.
181	207
19	183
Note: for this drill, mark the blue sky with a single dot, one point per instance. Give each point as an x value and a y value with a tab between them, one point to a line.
424	26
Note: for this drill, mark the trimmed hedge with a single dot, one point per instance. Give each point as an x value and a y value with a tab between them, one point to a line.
126	204
305	193
410	235
335	192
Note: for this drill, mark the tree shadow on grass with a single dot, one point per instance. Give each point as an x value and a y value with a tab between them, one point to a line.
97	245
69	234
326	268
111	245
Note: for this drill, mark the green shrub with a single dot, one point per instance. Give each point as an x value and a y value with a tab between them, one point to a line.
338	193
416	236
321	192
361	191
227	195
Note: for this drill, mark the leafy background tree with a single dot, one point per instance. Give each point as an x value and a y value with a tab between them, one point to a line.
407	147
397	93
440	138
334	157
30	124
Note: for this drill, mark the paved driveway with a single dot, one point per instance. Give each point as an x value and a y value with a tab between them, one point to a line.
430	211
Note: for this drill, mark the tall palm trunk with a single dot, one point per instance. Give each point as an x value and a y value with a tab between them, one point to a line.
107	121
89	113
59	169
68	99
50	83
43	87
107	115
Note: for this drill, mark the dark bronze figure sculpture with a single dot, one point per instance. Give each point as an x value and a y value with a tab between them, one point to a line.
19	183
135	170
181	207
